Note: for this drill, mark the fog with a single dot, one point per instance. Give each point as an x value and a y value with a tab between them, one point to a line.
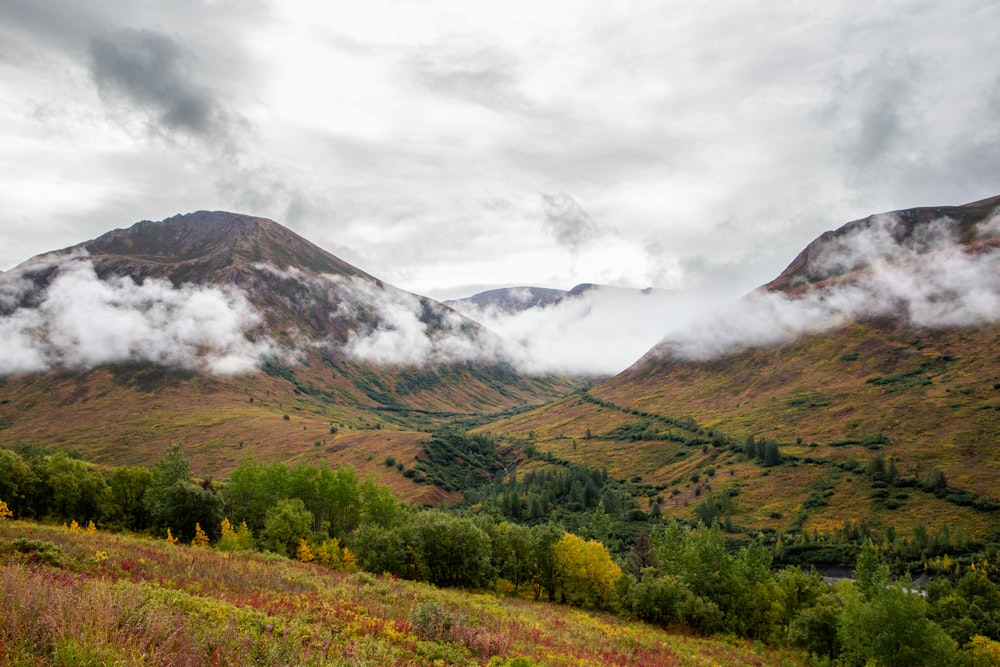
81	321
598	332
923	279
403	329
881	268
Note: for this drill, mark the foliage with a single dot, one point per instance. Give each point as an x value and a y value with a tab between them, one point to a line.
335	498
285	526
455	460
128	487
892	628
231	539
174	501
585	573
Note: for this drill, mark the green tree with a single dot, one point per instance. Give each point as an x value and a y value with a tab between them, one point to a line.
252	489
395	550
513	556
174	501
799	591
455	551
871	575
285	525
379	506
543	539
660	600
128	488
772	454
892	628
814	628
76	491
641	558
600	525
16	480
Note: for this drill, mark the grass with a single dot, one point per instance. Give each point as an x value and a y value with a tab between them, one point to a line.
115	599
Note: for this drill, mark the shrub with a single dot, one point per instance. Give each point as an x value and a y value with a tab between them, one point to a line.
38	551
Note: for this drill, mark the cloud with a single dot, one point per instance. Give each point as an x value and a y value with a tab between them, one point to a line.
81	321
387	326
152	71
598	332
874	112
402	329
921	278
567	221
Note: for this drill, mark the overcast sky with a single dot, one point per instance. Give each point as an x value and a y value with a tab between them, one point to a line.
448	146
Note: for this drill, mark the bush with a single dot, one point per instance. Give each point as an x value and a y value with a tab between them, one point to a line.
37	551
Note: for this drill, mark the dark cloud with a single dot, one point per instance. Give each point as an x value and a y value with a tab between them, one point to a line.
154	72
874	112
567	221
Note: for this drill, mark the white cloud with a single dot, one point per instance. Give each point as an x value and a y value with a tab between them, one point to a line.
598	332
80	321
400	328
389	326
921	278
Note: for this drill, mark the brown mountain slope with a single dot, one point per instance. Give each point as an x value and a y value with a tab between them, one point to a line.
121	365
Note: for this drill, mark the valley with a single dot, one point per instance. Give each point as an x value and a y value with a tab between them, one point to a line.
841	422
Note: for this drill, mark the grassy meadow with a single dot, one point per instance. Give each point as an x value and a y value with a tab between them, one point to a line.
73	597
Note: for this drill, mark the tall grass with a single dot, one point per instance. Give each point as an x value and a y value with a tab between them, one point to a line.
120	600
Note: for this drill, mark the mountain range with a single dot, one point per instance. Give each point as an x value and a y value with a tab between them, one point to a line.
234	335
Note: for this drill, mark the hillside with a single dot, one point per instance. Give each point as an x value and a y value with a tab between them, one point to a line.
869	350
171	598
234	335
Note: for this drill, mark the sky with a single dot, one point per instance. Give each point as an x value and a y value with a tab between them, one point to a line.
449	147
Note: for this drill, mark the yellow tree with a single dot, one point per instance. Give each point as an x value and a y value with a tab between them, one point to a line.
200	539
5	512
984	652
585	573
234	540
303	552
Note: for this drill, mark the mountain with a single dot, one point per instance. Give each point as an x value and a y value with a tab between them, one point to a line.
871	362
514	300
509	299
236	335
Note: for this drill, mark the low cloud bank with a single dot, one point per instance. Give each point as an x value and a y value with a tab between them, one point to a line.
599	332
81	321
922	277
390	327
918	274
399	328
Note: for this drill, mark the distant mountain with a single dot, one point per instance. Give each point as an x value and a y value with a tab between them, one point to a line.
513	300
876	346
215	326
509	299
